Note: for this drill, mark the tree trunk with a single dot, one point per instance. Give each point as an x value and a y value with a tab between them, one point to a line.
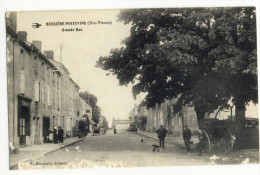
200	117
240	113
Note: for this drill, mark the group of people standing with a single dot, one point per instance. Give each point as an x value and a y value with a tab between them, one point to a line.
201	146
186	137
56	135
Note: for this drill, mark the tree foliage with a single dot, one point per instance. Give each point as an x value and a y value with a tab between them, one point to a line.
105	123
92	100
83	128
203	56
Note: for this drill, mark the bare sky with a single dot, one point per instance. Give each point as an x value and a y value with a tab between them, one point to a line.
82	49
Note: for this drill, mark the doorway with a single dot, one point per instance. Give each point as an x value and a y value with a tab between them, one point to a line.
24	124
45	127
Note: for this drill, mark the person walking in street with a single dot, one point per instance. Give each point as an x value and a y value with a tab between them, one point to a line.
161	135
55	135
187	137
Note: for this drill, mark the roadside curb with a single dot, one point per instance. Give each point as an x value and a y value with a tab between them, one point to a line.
15	165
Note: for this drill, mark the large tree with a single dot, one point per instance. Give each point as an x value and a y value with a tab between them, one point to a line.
203	56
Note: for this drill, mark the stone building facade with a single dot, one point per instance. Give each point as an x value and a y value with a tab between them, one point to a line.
41	95
151	119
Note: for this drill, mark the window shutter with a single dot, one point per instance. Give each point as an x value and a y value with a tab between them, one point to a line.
42	91
22	82
36	90
48	96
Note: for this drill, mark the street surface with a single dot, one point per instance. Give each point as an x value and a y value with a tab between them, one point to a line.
127	150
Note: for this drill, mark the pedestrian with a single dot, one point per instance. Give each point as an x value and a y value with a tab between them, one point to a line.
55	135
50	136
187	137
161	135
60	134
202	142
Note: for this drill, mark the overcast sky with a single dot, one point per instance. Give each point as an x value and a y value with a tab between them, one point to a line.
82	49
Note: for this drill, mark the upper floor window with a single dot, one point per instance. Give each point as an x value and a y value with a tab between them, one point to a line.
35	65
47	74
42	69
53	79
22	59
58	83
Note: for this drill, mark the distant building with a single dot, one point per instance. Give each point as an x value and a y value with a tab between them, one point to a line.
120	125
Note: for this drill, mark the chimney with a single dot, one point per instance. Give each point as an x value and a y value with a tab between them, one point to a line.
11	20
38	45
22	35
49	54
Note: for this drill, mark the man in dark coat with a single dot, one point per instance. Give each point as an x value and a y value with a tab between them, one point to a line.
60	134
55	135
161	135
187	137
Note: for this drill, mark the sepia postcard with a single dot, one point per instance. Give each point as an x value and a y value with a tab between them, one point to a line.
143	87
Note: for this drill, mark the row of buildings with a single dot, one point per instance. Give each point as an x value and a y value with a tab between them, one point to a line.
151	119
41	93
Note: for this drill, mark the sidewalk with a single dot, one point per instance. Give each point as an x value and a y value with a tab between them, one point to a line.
36	151
169	138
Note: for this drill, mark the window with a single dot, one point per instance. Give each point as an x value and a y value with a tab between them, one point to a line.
22	126
42	70
58	82
48	95
42	93
161	117
53	99
53	79
36	90
35	66
58	101
22	60
155	120
47	74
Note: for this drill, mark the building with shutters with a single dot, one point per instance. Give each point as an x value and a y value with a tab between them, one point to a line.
41	95
31	86
151	119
